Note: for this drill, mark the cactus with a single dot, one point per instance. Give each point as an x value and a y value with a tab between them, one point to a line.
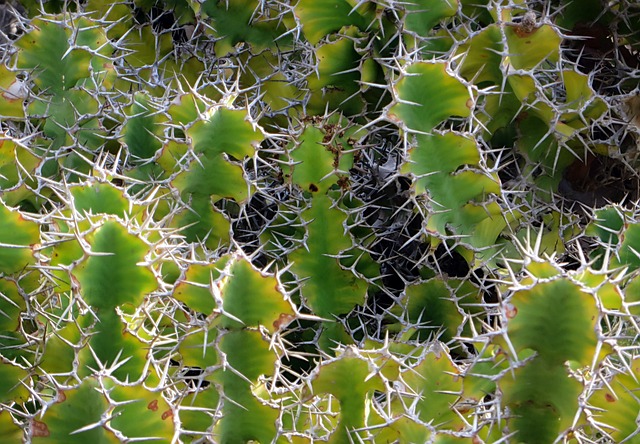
266	221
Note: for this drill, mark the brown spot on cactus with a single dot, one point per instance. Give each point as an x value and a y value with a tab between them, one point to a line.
283	320
313	188
527	26
167	414
153	405
39	429
609	397
393	118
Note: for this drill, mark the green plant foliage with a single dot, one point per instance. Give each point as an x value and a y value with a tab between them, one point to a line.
343	221
201	222
527	48
327	288
44	49
195	288
319	20
337	83
434	380
431	306
481	57
76	415
321	156
454	193
228	180
422	16
212	155
100	198
316	163
111	276
8	429
427	95
141	131
60	70
111	347
530	312
17	165
627	254
186	109
540	414
245	417
435	160
11	306
142	414
279	94
61	349
11	388
18	238
239	23
611	227
347	378
12	94
145	49
616	407
252	299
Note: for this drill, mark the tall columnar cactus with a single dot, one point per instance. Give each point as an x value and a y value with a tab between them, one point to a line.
264	221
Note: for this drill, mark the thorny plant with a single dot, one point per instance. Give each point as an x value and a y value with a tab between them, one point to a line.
349	220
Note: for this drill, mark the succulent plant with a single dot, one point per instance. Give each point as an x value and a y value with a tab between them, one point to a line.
345	221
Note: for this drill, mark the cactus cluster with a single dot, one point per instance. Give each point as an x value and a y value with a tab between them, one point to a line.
304	221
